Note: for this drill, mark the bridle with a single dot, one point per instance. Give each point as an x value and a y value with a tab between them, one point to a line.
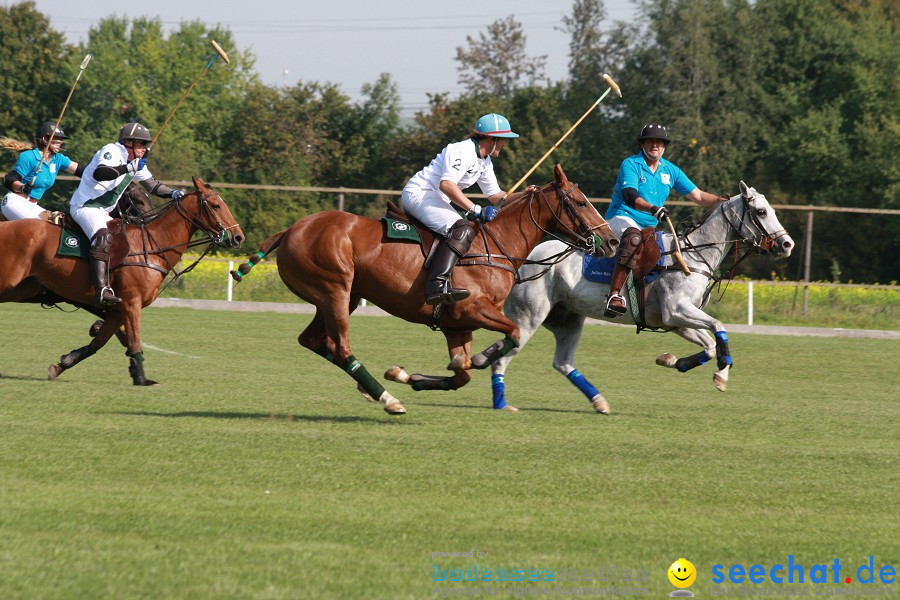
759	239
204	220
558	230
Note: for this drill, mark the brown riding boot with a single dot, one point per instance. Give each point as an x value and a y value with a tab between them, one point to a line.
615	302
449	251
100	269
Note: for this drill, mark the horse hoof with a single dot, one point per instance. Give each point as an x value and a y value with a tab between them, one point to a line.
720	382
53	372
397	373
510	408
666	360
95	328
601	405
394	408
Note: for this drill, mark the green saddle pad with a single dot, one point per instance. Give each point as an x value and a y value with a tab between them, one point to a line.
73	243
398	230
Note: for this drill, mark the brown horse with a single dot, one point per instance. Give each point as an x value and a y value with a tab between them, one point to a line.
142	256
335	259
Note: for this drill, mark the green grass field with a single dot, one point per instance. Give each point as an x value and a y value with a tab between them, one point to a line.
257	471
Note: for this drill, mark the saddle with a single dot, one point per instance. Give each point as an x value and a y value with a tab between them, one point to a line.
429	239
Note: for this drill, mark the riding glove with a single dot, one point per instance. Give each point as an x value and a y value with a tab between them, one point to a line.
660	212
26	189
177	194
136	165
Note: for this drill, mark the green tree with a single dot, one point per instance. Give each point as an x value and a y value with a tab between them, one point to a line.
35	75
496	62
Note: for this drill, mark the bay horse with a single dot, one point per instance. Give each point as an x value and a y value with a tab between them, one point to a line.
334	259
144	251
563	298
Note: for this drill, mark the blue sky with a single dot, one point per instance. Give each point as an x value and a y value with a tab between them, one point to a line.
349	42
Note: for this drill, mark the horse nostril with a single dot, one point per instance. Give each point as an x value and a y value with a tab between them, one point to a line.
237	241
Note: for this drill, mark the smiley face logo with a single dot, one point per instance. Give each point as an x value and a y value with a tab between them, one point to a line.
682	573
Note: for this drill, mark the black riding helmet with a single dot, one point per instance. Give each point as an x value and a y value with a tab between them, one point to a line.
46	129
654	132
134	131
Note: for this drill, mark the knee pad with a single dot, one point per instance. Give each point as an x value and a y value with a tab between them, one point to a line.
460	237
102	243
631	241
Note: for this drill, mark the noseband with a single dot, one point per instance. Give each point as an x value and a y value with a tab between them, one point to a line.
205	219
583	242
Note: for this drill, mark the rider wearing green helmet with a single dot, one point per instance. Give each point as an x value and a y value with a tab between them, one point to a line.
433	195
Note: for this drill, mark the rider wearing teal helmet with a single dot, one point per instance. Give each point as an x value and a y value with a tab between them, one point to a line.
433	194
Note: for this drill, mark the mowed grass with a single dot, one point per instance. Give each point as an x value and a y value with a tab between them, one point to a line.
257	471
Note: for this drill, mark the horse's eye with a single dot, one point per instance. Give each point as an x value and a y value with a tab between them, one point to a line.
760	212
214	205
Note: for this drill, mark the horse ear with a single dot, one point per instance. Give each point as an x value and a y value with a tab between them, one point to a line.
745	189
559	174
198	183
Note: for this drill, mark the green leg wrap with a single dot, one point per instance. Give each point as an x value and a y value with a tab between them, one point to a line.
358	372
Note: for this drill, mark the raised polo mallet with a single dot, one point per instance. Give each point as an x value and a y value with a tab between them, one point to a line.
219	52
612	86
84	64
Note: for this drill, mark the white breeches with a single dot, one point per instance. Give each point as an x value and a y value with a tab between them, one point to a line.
429	207
91	218
620	223
17	207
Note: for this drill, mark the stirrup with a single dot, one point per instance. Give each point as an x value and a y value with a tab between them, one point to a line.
446	295
613	311
107	300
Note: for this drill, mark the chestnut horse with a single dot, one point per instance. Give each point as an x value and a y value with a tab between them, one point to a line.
142	256
335	259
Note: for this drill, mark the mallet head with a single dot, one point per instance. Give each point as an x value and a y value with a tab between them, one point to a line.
613	84
221	52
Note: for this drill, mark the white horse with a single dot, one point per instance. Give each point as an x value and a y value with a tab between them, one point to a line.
562	298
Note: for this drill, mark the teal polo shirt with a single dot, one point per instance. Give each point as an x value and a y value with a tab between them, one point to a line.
27	165
652	187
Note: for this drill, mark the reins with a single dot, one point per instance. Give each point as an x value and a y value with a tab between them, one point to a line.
203	220
516	263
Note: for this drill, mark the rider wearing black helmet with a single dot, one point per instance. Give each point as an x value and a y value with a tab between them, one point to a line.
35	172
638	201
113	167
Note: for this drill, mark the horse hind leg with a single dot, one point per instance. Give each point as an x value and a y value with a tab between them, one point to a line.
67	361
316	338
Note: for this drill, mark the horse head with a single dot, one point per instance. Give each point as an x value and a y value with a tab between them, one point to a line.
762	226
206	210
574	220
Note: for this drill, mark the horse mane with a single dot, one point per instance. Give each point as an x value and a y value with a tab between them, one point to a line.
523	197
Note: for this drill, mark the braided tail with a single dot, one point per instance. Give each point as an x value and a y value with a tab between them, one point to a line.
267	246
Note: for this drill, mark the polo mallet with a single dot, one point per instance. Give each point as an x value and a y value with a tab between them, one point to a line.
219	52
677	252
84	64
612	86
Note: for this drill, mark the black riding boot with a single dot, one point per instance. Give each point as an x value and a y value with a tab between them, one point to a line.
100	269
449	251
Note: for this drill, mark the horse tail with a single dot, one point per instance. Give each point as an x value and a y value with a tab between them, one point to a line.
267	246
14	145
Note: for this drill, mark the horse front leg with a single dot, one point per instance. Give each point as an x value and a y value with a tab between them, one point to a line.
133	350
693	325
103	334
459	345
567	329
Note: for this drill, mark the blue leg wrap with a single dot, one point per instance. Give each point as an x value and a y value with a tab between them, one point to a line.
582	384
723	354
689	362
498	386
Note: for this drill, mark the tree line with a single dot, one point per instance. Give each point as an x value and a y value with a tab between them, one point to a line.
799	98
